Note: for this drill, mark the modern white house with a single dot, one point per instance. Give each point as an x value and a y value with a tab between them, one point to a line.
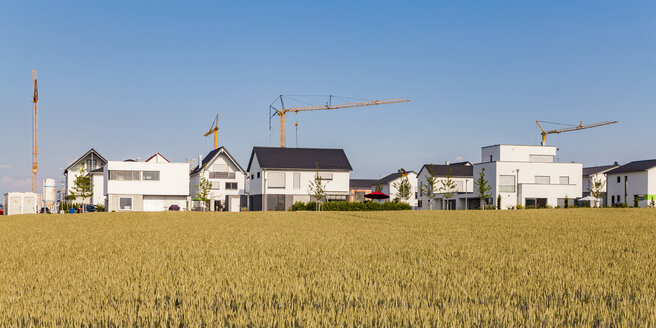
93	163
632	184
529	176
390	182
280	177
360	187
463	187
153	185
596	174
227	178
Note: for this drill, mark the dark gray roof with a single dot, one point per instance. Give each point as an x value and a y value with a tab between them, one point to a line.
391	177
210	156
598	169
460	170
362	183
634	166
83	156
300	158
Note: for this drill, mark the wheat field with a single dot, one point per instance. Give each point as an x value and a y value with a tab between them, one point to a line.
538	268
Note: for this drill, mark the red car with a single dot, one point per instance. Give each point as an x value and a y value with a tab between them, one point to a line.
2	210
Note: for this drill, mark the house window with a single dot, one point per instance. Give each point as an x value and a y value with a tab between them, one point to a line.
276	179
125	203
564	180
541	179
421	188
490	158
297	180
258	175
420	203
612	199
92	164
124	175
216	185
231	186
506	183
151	175
619	179
326	176
540	158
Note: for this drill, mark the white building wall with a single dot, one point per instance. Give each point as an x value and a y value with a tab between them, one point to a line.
174	179
464	184
392	191
637	184
220	193
515	153
255	183
338	185
98	182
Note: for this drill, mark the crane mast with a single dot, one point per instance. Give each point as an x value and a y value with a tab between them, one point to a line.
572	128
284	110
35	133
214	128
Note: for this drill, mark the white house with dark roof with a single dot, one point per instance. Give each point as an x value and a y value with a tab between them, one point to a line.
461	175
390	182
94	163
280	177
596	173
227	177
632	183
529	176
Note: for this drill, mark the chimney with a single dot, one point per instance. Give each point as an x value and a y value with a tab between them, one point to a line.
200	161
138	159
447	162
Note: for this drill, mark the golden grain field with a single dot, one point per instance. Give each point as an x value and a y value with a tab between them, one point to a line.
534	268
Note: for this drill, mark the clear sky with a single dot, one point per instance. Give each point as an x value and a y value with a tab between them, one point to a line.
137	77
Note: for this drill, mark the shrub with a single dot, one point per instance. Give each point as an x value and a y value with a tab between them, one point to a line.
519	207
353	206
566	201
498	202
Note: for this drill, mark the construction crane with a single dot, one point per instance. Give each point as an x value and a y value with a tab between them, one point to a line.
214	128
35	134
281	112
572	128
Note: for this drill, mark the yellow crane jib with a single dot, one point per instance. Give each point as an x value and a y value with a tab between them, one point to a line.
281	112
214	128
580	126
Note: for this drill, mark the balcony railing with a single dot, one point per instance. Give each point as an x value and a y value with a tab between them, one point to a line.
222	175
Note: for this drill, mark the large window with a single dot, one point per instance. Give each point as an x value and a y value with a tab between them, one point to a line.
123	175
125	203
542	179
326	176
540	158
151	175
231	186
276	180
564	180
506	183
297	181
216	185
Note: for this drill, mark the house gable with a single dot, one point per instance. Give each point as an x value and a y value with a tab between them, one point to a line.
91	154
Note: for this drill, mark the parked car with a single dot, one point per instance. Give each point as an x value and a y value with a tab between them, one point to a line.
91	208
44	210
174	208
2	209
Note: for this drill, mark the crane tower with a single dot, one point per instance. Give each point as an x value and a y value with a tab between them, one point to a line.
35	134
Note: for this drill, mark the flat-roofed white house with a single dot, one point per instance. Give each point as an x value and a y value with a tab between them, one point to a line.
153	185
227	177
390	182
529	176
94	163
596	173
461	175
632	183
280	177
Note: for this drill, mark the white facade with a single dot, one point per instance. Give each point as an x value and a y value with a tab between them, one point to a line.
91	161
464	187
527	175
228	181
145	186
390	189
625	187
21	203
288	186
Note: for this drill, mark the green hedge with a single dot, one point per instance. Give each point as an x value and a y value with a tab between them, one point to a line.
352	206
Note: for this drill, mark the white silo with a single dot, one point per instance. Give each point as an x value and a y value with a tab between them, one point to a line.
49	193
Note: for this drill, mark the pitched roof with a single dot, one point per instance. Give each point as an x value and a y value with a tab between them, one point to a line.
362	183
598	169
210	157
460	170
85	155
391	177
162	156
634	166
300	158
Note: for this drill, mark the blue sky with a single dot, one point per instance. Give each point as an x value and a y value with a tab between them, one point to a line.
137	77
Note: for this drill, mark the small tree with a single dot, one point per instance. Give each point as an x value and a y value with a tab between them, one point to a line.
596	188
403	187
82	185
448	188
566	201
499	202
483	188
429	188
317	189
378	187
652	203
203	190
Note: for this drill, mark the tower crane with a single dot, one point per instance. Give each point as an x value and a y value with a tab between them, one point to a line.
282	111
35	134
214	128
572	128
